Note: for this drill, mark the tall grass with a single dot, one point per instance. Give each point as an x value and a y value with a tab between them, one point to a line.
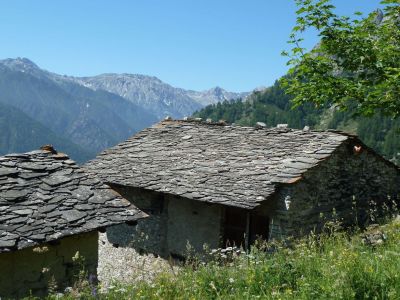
328	266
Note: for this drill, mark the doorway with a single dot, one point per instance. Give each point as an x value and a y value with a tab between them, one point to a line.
235	223
242	227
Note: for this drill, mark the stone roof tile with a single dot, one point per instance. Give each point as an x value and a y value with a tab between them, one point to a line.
230	165
45	196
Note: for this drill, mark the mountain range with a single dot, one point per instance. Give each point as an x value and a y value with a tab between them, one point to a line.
84	115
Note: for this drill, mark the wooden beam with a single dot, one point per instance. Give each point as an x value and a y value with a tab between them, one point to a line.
247	237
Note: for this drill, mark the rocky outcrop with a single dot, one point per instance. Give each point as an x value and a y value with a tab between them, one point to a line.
156	96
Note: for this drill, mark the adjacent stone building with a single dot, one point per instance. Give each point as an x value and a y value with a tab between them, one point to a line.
50	210
209	183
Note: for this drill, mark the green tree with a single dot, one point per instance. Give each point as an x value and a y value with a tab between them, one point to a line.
356	64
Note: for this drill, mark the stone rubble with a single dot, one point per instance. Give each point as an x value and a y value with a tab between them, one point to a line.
125	265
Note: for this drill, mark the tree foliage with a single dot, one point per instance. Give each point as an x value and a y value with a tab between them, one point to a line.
356	64
271	106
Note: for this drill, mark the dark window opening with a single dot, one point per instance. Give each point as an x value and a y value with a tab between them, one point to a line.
259	228
154	207
240	225
234	227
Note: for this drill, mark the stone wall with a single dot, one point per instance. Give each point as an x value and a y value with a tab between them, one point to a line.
172	223
350	187
49	266
192	222
149	235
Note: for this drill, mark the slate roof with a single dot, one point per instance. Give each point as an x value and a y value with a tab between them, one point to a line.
45	196
230	165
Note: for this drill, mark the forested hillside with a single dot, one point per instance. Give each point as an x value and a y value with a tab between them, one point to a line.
272	106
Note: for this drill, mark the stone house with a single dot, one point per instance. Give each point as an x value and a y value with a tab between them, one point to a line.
210	183
50	210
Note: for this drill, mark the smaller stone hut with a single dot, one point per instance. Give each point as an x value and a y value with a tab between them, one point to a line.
50	210
217	184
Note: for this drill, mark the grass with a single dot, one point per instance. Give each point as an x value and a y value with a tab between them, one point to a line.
333	265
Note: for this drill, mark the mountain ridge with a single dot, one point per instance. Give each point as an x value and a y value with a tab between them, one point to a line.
96	112
155	95
148	92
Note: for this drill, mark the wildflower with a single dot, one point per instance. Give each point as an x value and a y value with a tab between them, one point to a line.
212	285
76	256
92	282
231	280
40	249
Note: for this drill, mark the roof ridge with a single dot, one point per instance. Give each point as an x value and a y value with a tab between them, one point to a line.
259	126
208	162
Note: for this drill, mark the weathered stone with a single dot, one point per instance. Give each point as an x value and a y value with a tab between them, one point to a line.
186	137
3	208
84	207
47	208
261	125
38	195
8	171
13	195
7	243
26	175
82	193
20	220
37	237
56	180
200	160
26	228
23	212
72	215
97	200
35	166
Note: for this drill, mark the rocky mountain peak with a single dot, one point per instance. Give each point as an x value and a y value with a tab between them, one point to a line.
218	92
21	64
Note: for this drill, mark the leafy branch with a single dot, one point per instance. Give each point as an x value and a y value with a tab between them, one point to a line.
357	61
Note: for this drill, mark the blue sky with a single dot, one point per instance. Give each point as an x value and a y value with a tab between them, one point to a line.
235	44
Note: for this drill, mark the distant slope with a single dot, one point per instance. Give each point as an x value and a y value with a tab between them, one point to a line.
272	106
145	91
20	133
94	120
156	96
215	95
96	112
